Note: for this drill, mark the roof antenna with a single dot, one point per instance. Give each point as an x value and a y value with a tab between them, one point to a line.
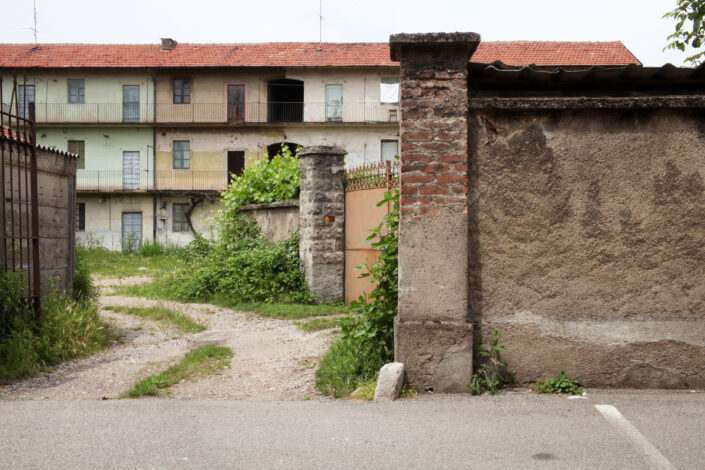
34	30
320	25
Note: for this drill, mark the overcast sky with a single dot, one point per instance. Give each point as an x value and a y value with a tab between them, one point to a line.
637	23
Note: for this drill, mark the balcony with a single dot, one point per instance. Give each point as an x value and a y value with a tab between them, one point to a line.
217	113
150	180
94	113
277	113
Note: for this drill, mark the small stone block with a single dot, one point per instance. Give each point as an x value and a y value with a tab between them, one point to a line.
391	379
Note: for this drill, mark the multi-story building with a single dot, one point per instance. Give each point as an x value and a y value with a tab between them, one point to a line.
160	128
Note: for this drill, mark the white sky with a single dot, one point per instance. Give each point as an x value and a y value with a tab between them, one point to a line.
637	23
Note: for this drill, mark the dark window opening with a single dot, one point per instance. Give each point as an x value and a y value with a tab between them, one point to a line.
80	216
236	163
179	222
182	91
286	100
276	149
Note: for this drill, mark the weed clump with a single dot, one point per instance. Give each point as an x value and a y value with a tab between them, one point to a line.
490	375
561	384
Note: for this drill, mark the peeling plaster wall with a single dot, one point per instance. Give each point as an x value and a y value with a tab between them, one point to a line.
587	241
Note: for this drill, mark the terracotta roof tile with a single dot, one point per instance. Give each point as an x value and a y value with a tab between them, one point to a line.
290	54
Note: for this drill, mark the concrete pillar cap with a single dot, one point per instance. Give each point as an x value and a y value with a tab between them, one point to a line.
468	40
321	150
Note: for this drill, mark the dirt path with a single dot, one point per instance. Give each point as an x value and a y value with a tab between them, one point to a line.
273	359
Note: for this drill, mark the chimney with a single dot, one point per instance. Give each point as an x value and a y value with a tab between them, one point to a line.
168	44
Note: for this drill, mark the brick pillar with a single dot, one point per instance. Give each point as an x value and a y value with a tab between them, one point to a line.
322	221
432	334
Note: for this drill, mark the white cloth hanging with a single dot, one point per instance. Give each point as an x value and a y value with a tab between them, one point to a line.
389	92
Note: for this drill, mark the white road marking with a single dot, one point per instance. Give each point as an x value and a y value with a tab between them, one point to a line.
643	446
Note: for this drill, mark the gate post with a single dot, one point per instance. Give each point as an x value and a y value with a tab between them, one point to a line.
432	333
322	221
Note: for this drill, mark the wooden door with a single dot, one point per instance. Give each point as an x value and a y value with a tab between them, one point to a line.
236	103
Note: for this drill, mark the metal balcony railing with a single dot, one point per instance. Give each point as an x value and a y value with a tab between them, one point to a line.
278	113
256	113
100	113
150	180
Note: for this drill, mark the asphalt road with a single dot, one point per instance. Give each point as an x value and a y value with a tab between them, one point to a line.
635	430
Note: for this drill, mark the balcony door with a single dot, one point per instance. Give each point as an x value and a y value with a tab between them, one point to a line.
25	96
131	103
334	102
236	163
130	170
236	103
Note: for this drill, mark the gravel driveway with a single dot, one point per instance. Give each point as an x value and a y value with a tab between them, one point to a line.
273	359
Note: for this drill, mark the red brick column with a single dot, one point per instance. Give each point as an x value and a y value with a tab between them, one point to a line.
433	336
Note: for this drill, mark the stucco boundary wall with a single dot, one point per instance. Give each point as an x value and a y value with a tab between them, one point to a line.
276	220
576	226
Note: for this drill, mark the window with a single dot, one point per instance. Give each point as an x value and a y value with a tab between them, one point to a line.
178	217
390	149
389	90
182	91
80	216
77	91
182	154
79	148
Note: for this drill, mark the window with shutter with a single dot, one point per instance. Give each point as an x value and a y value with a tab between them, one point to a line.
182	154
77	91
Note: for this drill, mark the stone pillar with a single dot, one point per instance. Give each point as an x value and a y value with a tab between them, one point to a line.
433	336
322	221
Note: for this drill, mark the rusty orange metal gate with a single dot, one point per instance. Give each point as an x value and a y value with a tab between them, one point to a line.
365	186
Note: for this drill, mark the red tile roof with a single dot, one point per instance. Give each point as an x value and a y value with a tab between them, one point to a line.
290	54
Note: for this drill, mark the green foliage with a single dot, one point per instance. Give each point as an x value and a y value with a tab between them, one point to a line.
162	314
265	181
151	248
689	29
83	288
69	328
560	384
489	373
204	360
368	332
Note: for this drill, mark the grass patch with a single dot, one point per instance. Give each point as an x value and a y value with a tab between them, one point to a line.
337	373
317	324
281	311
198	362
365	391
163	315
118	264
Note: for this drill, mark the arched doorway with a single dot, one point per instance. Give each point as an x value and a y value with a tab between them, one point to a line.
285	101
275	149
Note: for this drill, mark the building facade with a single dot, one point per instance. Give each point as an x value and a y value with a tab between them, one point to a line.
160	129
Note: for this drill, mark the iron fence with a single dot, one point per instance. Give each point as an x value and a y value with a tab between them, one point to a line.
19	208
372	175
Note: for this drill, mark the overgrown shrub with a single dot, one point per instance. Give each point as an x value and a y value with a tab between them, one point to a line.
241	265
151	248
368	332
264	181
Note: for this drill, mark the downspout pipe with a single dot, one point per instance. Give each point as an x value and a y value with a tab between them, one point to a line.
154	156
